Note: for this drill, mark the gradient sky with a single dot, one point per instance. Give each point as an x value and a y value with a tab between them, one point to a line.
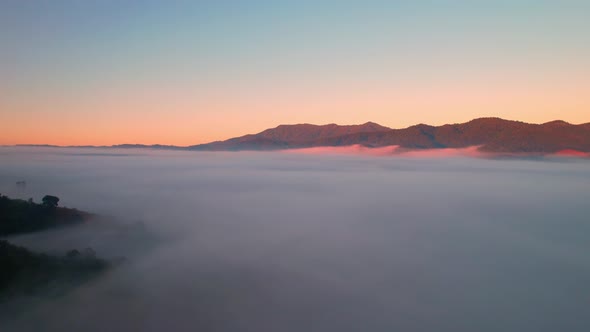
188	72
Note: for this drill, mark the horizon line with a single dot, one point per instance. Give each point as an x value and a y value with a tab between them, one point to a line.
124	145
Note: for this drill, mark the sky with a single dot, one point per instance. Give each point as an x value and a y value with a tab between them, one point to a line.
188	72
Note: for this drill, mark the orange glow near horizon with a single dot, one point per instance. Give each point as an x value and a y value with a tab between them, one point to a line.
152	116
185	73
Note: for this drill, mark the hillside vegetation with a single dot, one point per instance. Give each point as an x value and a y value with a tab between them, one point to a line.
21	216
23	272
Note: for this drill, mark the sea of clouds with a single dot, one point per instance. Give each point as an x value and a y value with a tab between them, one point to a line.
276	241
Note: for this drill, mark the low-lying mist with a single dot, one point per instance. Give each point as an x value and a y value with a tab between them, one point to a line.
275	241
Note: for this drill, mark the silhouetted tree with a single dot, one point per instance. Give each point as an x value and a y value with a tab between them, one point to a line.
74	253
50	201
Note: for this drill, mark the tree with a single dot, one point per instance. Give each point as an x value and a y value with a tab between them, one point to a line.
74	253
50	201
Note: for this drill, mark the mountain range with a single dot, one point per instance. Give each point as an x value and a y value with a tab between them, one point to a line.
492	135
489	134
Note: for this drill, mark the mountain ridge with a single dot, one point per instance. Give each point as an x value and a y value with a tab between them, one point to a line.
491	134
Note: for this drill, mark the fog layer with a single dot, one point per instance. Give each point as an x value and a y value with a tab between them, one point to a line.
294	242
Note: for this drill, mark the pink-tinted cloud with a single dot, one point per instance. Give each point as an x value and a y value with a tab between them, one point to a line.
356	149
392	150
572	153
472	151
395	150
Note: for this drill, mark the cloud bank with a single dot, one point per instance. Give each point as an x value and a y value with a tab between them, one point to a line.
277	241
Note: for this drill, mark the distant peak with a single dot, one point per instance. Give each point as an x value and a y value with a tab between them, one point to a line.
490	119
421	126
373	125
556	123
